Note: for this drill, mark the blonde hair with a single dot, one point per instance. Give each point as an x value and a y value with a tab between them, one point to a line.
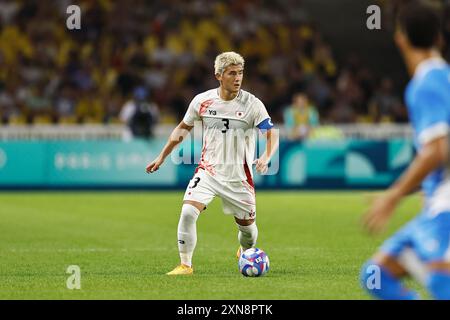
226	59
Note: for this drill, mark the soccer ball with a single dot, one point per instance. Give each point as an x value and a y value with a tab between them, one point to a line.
253	263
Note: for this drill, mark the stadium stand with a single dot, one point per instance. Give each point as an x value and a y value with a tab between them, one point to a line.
49	74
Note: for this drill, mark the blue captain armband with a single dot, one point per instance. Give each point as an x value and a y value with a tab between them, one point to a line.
265	125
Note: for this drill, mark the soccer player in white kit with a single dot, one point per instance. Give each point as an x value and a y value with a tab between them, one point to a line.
229	116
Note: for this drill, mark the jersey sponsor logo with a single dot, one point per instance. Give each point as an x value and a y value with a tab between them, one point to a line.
239	114
212	112
181	242
204	105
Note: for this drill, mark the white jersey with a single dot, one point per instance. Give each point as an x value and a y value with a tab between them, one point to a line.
229	135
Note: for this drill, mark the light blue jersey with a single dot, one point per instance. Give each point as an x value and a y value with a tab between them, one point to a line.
428	100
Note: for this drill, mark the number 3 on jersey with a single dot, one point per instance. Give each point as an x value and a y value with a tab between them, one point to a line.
226	123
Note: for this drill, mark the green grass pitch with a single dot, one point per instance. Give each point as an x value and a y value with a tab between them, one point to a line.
125	242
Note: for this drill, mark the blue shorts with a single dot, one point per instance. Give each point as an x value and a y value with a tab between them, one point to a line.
428	236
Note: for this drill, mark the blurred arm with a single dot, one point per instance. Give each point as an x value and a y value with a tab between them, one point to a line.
433	155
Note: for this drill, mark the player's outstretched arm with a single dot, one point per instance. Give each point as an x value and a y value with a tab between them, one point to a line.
176	137
433	155
272	142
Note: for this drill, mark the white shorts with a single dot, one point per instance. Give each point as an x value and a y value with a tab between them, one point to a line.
238	198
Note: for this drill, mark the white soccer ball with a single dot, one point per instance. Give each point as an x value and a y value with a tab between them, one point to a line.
253	262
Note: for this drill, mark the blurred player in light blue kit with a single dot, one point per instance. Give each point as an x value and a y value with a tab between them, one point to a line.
422	247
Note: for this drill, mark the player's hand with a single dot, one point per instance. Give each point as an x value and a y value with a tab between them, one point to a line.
154	165
262	165
380	211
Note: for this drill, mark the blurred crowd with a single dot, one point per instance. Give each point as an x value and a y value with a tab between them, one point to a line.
49	74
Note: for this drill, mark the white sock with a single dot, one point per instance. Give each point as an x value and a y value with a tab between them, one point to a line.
187	233
247	235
